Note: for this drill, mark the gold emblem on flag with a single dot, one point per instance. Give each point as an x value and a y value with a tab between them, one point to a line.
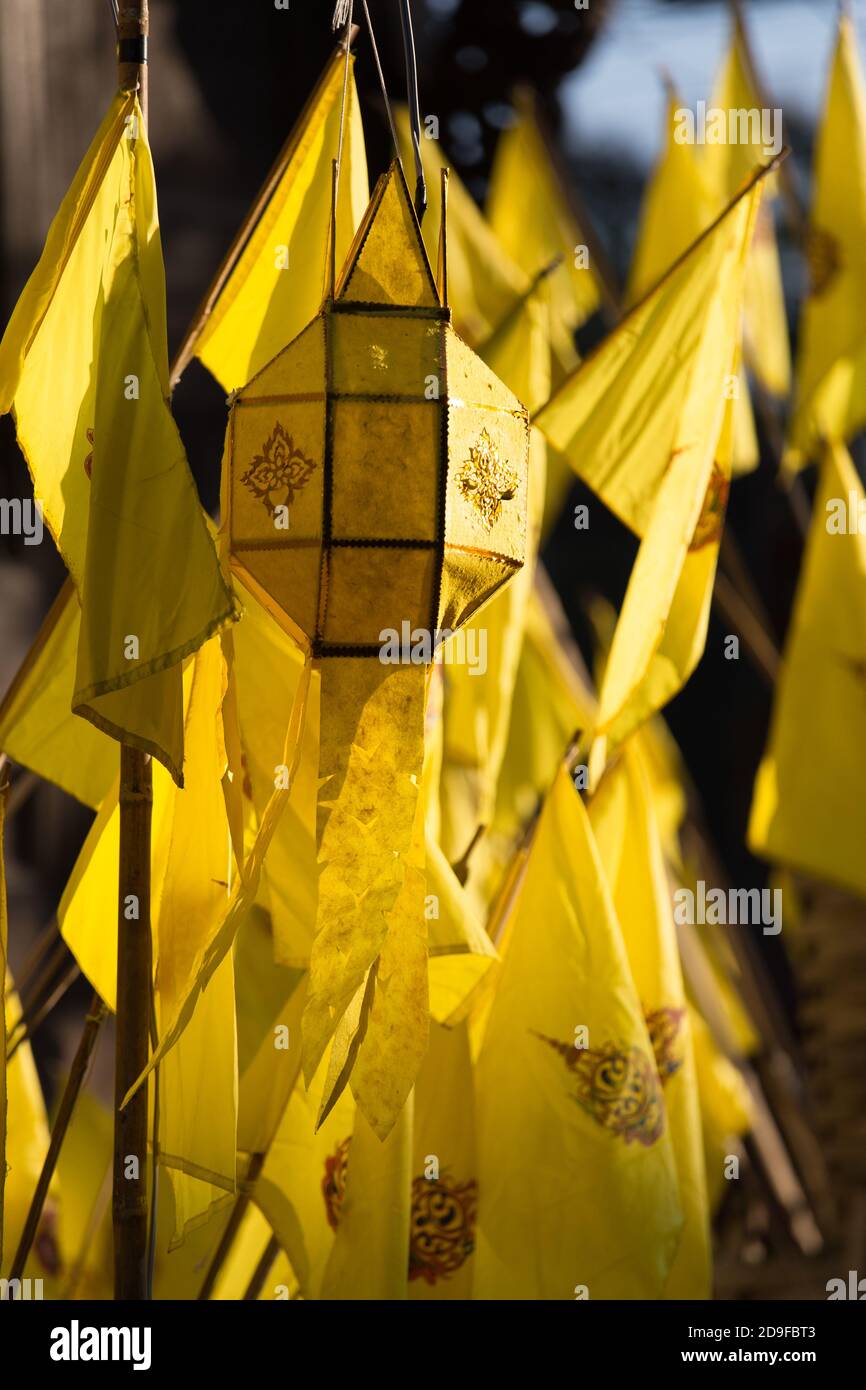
442	1227
665	1026
334	1182
618	1086
712	517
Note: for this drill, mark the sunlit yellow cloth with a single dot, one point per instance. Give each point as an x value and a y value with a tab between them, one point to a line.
726	1106
444	1196
37	726
84	365
484	283
624	823
678	206
278	283
530	215
830	397
477	706
4	788
725	166
807	808
26	1140
647	421
577	1186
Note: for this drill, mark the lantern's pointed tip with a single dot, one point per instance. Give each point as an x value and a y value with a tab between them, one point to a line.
388	261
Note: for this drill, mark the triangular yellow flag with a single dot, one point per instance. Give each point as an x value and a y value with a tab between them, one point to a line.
276	287
83	364
647	421
4	788
529	213
725	165
807	809
678	205
830	401
484	283
479	687
577	1185
37	726
623	820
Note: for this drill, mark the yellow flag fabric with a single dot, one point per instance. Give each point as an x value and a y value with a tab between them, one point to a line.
550	706
444	1196
725	166
648	421
807	803
26	1140
4	788
623	820
620	416
678	206
529	213
277	286
567	1091
726	1106
83	364
830	399
478	693
484	283
37	726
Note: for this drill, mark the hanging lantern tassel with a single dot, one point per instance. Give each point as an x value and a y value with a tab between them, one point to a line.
376	497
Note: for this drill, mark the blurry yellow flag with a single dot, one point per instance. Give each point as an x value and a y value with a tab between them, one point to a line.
484	283
83	364
444	1186
481	660
830	399
678	206
4	788
530	214
725	167
623	820
549	707
577	1182
26	1140
807	808
37	726
726	1105
647	421
276	288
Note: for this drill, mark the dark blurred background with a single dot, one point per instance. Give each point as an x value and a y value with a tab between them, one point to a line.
228	78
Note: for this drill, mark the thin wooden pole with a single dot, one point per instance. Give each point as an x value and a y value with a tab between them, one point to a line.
133	1027
134	977
77	1076
262	1270
242	1201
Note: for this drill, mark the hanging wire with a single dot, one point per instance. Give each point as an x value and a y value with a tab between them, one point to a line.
377	61
114	11
414	107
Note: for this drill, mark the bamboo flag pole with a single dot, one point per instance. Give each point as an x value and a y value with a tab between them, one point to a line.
134	978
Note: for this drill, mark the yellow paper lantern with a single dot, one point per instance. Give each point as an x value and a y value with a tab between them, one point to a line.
377	468
375	492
